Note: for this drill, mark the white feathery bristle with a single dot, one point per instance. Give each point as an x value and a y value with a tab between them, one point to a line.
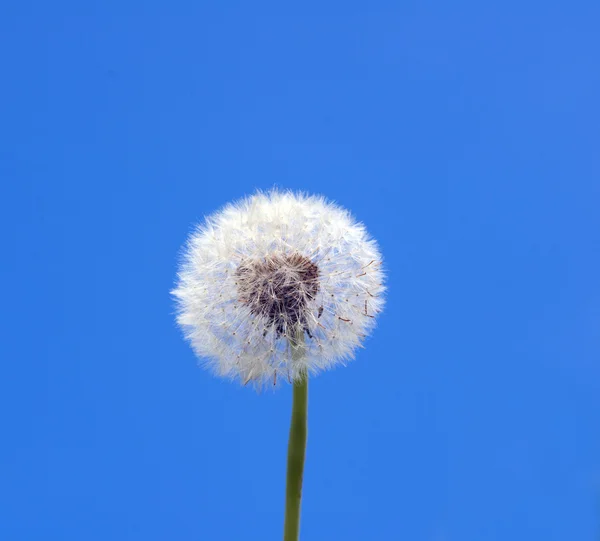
268	267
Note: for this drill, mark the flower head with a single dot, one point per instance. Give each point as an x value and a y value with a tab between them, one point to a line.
275	271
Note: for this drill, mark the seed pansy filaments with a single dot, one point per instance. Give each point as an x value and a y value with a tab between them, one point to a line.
273	270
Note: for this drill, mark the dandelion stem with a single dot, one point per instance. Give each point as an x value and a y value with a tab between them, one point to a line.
296	446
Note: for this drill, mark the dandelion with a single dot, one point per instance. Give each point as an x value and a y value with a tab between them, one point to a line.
275	287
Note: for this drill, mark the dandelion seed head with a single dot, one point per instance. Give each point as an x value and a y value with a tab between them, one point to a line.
265	268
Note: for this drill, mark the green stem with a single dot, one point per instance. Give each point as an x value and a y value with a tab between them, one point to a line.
296	447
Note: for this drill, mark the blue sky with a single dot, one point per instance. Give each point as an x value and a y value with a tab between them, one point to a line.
465	135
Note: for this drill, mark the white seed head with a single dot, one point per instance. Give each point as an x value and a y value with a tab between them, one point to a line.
270	268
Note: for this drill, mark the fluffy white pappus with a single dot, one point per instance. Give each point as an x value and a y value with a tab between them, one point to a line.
272	270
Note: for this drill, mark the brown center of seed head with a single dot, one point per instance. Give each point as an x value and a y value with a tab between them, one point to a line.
279	288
